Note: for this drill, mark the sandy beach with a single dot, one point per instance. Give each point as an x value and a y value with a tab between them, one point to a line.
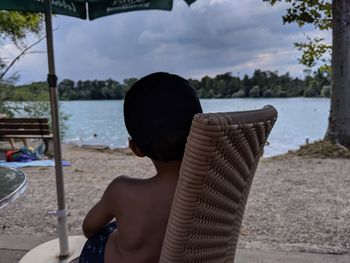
295	204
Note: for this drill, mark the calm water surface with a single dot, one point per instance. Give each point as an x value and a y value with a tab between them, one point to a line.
299	118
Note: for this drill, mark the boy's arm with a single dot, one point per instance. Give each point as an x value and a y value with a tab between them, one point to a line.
101	213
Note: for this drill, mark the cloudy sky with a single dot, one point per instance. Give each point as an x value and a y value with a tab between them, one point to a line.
210	37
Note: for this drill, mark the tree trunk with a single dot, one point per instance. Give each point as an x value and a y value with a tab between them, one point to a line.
339	118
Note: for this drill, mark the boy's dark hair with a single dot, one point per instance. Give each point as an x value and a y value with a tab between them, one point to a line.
158	112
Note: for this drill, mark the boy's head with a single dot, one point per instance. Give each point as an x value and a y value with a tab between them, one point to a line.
158	112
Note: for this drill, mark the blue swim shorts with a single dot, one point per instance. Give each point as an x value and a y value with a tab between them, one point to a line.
94	248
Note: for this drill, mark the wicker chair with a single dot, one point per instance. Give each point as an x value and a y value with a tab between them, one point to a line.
221	156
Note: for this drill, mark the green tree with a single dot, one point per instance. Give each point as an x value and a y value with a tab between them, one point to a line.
127	83
339	118
247	85
326	91
317	13
223	87
17	25
235	85
325	15
269	93
66	89
14	26
255	92
238	94
196	85
118	91
310	92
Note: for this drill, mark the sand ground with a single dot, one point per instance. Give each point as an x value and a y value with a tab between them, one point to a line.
295	204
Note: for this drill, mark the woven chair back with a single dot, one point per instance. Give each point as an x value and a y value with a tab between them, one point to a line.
221	156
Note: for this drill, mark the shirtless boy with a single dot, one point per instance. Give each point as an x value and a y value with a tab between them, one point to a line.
158	112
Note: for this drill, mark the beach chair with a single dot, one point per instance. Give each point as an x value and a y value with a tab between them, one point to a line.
221	156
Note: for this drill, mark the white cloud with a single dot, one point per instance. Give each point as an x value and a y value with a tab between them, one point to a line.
9	51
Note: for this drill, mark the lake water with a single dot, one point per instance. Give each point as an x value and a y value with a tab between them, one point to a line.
298	119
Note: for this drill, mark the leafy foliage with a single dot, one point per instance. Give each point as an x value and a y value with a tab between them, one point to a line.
319	14
314	50
316	12
16	25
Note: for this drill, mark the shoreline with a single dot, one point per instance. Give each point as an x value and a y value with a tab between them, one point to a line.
295	204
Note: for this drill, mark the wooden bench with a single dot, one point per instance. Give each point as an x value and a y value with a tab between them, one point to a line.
21	128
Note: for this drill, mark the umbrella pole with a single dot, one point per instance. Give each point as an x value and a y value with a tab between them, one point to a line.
52	81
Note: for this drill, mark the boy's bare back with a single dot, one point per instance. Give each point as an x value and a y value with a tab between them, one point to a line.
141	207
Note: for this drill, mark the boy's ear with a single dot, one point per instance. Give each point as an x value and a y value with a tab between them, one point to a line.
135	149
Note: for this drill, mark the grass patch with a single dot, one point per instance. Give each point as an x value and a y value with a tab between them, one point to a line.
322	149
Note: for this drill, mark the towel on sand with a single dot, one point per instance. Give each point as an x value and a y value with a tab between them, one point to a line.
41	163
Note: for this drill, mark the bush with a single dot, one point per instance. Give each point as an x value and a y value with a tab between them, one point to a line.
268	93
310	92
281	94
238	94
326	91
255	92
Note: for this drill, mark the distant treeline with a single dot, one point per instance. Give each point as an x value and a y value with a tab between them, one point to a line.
262	84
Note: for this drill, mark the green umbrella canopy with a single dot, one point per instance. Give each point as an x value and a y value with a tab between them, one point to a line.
88	8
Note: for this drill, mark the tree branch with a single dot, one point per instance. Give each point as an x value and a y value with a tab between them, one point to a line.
23	52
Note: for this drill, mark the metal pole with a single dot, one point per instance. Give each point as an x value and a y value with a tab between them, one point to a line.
52	81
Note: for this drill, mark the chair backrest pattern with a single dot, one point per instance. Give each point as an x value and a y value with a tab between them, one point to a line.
221	156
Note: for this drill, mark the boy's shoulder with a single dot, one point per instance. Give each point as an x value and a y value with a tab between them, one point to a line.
122	185
125	193
125	180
